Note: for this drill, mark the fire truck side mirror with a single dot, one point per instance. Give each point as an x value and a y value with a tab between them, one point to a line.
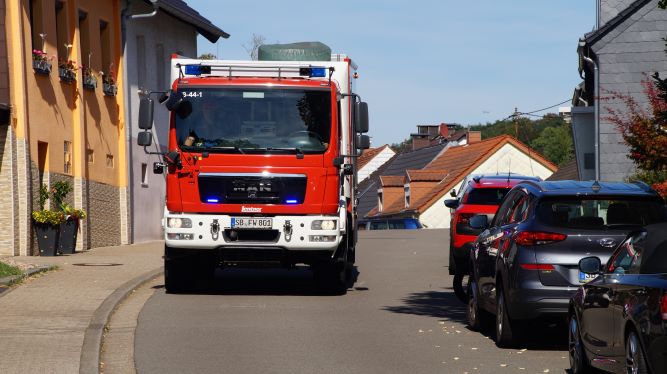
363	142
361	117
145	138
146	113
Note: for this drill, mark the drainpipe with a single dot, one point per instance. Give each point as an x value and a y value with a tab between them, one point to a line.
124	16
596	93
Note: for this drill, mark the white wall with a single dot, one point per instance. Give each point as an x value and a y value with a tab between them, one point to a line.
506	159
374	164
175	36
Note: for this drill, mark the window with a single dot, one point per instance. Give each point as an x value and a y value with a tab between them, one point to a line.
42	159
84	39
62	32
37	24
141	61
90	156
406	191
160	63
378	225
105	43
627	260
67	164
396	224
144	174
109	161
585	213
520	210
380	200
486	196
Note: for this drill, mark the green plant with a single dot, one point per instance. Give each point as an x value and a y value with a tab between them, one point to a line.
59	191
48	217
73	212
43	196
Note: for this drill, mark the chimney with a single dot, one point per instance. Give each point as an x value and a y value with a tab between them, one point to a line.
474	137
444	130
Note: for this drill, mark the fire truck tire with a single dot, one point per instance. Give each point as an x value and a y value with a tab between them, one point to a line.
178	272
332	277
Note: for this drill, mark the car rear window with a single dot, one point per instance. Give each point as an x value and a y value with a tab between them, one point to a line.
600	213
486	196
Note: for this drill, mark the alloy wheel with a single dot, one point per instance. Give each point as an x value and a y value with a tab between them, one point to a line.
574	346
500	313
634	357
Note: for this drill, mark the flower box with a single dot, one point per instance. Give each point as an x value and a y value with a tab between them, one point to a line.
68	233
41	67
109	89
48	236
67	75
89	82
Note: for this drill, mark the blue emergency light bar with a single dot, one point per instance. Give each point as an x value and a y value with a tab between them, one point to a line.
214	201
314	72
291	201
197	69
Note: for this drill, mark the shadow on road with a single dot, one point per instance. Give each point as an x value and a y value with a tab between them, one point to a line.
539	335
294	282
440	304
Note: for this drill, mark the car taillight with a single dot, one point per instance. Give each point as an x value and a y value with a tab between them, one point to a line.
464	218
526	238
537	267
663	307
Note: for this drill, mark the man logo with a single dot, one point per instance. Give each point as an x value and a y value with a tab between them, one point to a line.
250	209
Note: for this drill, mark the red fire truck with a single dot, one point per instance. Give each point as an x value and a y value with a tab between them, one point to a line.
261	167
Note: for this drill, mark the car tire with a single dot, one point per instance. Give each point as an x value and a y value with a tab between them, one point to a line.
460	285
635	361
505	334
478	318
578	361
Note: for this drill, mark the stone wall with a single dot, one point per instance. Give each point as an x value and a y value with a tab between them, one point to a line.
103	214
7	201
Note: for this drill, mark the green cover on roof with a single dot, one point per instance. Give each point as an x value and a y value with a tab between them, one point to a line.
305	51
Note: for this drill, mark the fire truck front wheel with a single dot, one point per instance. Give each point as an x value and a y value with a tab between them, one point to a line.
182	268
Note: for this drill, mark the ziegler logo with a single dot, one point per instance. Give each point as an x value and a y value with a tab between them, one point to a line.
249	209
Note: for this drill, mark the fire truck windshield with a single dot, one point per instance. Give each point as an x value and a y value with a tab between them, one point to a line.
254	120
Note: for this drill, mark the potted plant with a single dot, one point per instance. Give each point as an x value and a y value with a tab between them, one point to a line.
40	62
67	70
109	84
70	228
89	79
47	225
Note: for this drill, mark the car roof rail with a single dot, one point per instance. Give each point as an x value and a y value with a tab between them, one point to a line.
644	186
532	183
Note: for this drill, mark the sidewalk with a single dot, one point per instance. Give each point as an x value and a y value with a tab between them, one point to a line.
43	321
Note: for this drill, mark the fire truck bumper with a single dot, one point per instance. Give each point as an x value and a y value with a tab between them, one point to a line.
293	233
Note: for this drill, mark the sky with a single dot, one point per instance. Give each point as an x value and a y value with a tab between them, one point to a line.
426	62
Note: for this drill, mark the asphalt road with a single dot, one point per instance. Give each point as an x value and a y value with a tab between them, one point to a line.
401	316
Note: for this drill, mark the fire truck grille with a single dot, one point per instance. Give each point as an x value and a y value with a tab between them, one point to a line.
215	188
249	255
250	235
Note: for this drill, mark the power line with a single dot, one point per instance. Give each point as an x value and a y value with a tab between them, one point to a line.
543	109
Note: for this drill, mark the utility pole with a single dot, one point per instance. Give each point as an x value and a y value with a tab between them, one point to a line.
516	122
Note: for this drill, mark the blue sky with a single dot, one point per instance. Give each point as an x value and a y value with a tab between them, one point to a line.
426	62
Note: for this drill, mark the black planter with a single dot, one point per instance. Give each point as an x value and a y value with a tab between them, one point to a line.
47	238
41	67
68	232
67	75
109	89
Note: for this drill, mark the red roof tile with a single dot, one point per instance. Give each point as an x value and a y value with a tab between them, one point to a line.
426	175
392	180
368	155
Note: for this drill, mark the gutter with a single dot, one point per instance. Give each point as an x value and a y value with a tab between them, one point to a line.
596	94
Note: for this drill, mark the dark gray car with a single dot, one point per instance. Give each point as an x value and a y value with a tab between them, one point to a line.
525	263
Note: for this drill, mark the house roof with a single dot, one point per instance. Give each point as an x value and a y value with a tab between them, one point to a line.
414	160
392	180
426	175
594	36
460	161
185	13
567	171
368	155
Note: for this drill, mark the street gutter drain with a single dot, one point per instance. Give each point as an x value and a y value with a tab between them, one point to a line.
97	264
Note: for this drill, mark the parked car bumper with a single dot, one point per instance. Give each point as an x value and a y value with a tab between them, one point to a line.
459	259
541	301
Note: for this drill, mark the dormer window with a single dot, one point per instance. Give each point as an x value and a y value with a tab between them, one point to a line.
406	190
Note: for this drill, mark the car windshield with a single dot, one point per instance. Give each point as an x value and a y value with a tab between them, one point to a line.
584	213
486	196
247	120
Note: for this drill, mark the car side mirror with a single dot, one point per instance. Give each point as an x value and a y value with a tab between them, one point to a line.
363	142
452	193
479	222
452	203
361	117
590	265
145	138
146	113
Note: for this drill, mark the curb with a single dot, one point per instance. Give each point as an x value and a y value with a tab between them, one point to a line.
8	281
92	340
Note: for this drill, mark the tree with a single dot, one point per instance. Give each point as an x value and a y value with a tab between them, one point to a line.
644	132
404	146
555	143
252	46
207	56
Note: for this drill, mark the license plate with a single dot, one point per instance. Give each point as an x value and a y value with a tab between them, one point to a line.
252	223
585	278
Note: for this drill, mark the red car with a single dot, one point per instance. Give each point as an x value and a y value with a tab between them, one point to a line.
479	194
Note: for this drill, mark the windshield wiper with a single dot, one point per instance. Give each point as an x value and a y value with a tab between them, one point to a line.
299	153
219	148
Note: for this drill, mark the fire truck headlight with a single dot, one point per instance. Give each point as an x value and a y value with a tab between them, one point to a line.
178	223
324	224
